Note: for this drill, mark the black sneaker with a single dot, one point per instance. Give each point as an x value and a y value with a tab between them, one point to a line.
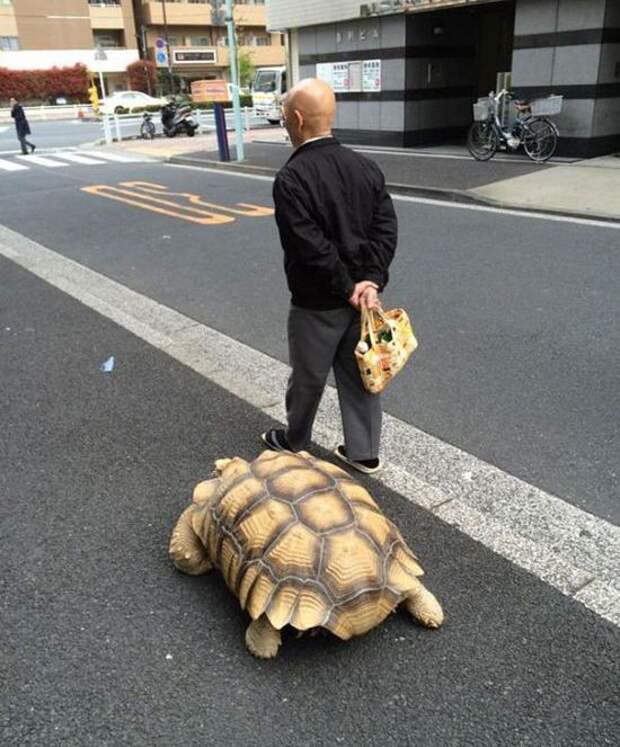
367	466
33	148
276	440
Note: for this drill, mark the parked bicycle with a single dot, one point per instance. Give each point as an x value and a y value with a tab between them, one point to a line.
147	128
532	129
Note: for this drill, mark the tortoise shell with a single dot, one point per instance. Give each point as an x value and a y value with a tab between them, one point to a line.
297	539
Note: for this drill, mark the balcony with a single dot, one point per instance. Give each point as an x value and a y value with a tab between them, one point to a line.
178	14
199	14
250	15
106	16
260	56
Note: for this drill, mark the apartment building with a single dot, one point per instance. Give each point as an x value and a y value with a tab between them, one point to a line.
406	72
198	47
40	34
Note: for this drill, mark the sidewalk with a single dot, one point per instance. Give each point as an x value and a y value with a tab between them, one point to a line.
587	189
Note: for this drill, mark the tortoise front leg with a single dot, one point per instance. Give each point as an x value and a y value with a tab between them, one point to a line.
424	606
186	550
262	639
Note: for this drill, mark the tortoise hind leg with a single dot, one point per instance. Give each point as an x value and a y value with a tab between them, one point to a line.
186	550
262	639
424	606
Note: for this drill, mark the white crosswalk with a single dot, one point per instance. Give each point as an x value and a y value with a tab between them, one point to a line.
63	158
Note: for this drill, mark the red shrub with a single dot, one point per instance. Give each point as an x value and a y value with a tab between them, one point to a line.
70	82
142	74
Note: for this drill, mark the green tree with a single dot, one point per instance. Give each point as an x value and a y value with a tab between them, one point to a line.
246	69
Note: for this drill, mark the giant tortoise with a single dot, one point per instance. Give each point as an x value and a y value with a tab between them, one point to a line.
301	543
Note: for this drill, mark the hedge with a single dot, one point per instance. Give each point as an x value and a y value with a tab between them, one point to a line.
45	84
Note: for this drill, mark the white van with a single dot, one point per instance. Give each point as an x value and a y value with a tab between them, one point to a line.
267	91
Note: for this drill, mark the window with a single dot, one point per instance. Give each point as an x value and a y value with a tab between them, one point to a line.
199	41
6	2
8	43
109	38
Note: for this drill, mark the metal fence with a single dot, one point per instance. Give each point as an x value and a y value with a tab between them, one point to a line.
126	126
50	113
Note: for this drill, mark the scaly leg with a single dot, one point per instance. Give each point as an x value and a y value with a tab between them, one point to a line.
424	607
186	550
262	639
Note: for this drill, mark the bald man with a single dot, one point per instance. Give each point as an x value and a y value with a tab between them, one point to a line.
338	231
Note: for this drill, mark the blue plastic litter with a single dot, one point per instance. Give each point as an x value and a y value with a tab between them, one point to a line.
108	365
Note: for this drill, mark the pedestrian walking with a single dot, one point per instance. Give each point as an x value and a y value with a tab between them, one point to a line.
338	230
22	126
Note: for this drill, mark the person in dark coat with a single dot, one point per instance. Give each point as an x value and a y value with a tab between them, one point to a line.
22	126
338	230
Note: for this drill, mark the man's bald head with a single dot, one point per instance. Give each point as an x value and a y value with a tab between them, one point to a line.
309	110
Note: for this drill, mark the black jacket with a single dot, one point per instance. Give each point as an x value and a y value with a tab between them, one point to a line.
336	221
21	123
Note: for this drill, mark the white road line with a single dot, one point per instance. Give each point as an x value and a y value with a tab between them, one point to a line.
120	158
42	161
75	158
12	166
571	550
437	203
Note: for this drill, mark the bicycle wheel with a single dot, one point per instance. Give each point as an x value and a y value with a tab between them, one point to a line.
482	141
540	139
147	130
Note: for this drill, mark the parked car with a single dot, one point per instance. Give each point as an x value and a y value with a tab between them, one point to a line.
123	101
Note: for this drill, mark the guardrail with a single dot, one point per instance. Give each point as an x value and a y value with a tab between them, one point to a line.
116	126
44	113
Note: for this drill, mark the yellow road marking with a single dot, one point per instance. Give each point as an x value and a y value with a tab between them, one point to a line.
148	196
203	217
250	211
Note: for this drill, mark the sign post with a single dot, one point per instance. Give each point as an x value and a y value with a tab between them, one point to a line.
234	74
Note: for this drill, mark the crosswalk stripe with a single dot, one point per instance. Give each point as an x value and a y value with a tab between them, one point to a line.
43	161
111	156
75	158
12	166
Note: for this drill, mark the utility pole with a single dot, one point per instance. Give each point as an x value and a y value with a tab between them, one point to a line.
234	72
170	75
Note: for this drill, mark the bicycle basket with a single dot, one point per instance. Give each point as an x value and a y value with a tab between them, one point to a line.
482	109
548	106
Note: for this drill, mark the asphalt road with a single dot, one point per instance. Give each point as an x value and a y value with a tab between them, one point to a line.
104	643
518	360
49	135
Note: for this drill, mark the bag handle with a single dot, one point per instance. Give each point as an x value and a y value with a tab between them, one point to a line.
367	322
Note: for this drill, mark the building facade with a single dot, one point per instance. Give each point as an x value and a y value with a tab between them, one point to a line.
40	34
406	72
198	46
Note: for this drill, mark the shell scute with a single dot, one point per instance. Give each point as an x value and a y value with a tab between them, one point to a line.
295	553
351	564
325	511
262	526
356	493
296	482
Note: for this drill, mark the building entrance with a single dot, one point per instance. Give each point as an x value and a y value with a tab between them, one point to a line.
495	33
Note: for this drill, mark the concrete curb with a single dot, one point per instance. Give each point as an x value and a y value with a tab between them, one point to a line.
411	190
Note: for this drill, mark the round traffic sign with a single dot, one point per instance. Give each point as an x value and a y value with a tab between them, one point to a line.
160	43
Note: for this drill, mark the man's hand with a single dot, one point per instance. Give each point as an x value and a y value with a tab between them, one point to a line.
369	298
359	289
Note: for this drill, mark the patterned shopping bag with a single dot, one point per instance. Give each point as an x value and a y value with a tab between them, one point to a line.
386	343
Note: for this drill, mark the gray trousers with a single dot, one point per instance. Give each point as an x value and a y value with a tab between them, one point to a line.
318	341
